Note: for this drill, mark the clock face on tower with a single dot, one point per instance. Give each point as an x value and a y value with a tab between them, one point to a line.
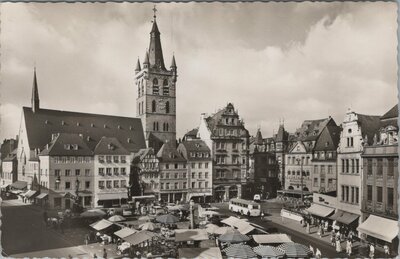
161	104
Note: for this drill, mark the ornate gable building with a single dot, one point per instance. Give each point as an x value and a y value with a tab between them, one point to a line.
156	87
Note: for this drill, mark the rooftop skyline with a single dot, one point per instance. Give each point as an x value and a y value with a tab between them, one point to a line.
295	61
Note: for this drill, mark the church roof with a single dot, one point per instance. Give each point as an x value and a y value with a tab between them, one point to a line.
329	139
156	58
282	134
43	123
110	146
67	144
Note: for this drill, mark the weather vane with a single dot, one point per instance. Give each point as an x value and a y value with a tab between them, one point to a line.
154	10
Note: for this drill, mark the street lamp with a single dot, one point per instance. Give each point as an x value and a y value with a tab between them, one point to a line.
300	162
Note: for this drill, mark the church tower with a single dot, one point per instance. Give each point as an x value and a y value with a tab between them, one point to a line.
156	88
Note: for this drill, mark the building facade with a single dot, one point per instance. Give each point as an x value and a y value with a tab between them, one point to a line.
173	174
9	167
380	177
357	130
228	139
149	172
199	169
156	88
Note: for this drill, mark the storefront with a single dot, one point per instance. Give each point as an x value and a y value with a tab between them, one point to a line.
344	219
380	231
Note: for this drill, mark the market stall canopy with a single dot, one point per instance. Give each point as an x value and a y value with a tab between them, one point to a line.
148	226
167	219
231	221
93	213
116	218
295	250
145	218
124	232
245	228
101	224
234	237
182	235
224	230
139	237
320	210
200	253
42	196
19	185
268	252
272	239
381	228
30	194
344	217
210	228
240	251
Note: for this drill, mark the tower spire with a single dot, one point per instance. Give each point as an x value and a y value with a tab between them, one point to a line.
35	93
155	11
138	68
155	50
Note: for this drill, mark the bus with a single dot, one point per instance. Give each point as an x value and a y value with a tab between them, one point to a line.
245	207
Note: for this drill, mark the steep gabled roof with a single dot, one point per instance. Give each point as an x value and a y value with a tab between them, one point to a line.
258	140
391	114
110	146
328	139
310	129
66	144
370	125
282	134
41	124
168	153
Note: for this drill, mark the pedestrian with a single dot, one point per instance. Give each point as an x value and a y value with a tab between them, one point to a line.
338	246
333	237
308	228
94	256
318	254
387	251
348	247
319	231
104	253
322	230
61	223
262	215
87	239
371	251
45	217
312	250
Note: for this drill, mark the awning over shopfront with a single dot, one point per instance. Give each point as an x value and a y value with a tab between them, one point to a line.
101	224
42	196
297	192
272	239
30	194
320	210
200	253
381	228
344	217
182	235
20	185
113	196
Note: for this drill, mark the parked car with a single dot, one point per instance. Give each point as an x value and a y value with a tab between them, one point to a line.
257	197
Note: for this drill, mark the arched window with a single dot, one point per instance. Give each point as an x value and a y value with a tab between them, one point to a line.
165	82
143	85
167	127
154	126
163	126
157	125
167	107
155	86
139	108
139	89
153	106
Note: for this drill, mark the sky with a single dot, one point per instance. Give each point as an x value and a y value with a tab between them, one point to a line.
273	61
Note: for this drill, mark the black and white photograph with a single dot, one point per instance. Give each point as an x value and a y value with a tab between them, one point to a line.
199	130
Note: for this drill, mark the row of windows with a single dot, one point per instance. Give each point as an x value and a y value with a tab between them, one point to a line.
112	171
154	106
223	145
350	142
67	172
235	159
222	174
391	164
172	175
165	126
111	159
72	159
68	185
150	176
165	87
351	166
177	186
323	155
298	161
322	183
379	194
175	166
322	169
112	184
294	173
199	165
350	194
198	154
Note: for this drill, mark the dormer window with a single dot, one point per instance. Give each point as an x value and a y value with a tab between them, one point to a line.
88	138
105	126
46	122
129	140
92	125
54	135
78	124
75	146
67	146
130	128
110	146
62	123
119	126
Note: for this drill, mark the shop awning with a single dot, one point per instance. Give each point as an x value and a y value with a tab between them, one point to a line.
124	232
381	228
30	194
320	210
182	235
19	185
231	221
272	239
113	196
101	224
344	217
139	237
200	253
42	196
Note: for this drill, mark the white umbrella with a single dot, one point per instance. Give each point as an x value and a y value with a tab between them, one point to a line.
148	226
116	218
